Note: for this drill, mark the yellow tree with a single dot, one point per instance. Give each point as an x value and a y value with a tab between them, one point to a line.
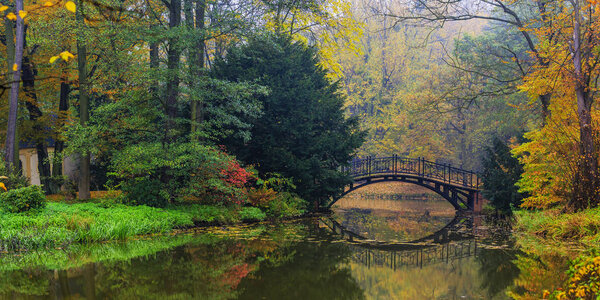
571	73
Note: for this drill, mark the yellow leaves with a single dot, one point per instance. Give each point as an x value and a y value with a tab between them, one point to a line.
47	4
70	6
11	16
15	67
2	186
65	55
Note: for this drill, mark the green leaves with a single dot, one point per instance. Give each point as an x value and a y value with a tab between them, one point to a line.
302	132
22	199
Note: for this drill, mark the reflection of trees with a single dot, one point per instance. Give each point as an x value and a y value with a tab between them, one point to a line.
208	266
310	271
204	271
497	270
538	273
25	283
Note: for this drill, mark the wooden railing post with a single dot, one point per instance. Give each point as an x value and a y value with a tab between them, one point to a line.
445	173
369	166
394	162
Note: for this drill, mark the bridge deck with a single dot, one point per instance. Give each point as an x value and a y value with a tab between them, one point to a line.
384	176
369	167
460	187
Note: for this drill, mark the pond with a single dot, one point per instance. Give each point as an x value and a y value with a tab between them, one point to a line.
379	249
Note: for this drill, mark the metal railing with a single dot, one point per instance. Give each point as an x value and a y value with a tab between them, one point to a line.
397	165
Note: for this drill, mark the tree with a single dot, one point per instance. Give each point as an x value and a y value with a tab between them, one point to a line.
501	172
302	133
521	15
568	142
84	103
11	129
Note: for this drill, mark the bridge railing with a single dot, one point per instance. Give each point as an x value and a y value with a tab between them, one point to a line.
397	165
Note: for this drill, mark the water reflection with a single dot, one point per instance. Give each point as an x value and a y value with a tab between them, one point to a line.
294	260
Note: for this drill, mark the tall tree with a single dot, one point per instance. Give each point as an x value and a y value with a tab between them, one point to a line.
302	133
84	108
11	128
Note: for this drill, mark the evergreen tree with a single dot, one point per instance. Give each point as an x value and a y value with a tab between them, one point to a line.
302	133
500	175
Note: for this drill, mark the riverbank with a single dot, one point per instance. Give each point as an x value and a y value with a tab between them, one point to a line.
61	224
562	254
552	230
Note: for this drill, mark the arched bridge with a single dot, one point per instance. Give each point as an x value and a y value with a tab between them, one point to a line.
459	187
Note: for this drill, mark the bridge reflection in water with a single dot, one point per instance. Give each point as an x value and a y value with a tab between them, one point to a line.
424	256
453	242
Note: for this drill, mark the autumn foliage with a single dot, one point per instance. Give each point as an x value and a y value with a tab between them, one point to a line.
561	161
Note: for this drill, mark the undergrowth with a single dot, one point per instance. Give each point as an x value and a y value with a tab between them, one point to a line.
61	224
551	229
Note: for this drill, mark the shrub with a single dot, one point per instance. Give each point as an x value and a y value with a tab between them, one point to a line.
22	199
154	174
143	190
583	280
12	180
252	214
286	205
261	197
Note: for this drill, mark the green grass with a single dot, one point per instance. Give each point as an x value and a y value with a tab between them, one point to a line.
61	224
559	232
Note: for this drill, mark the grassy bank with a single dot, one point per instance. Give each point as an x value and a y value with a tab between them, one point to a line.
60	224
559	232
563	254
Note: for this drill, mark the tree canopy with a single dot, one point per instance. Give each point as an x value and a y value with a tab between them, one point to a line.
302	132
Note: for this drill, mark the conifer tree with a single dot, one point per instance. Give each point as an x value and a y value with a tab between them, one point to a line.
302	133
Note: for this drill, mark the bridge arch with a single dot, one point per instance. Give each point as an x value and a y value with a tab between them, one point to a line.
450	232
459	187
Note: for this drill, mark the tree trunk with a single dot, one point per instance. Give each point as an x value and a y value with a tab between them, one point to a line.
545	101
63	107
9	42
11	128
173	57
154	62
585	184
29	72
196	65
84	114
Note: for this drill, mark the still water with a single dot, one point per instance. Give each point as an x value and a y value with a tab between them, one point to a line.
414	250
